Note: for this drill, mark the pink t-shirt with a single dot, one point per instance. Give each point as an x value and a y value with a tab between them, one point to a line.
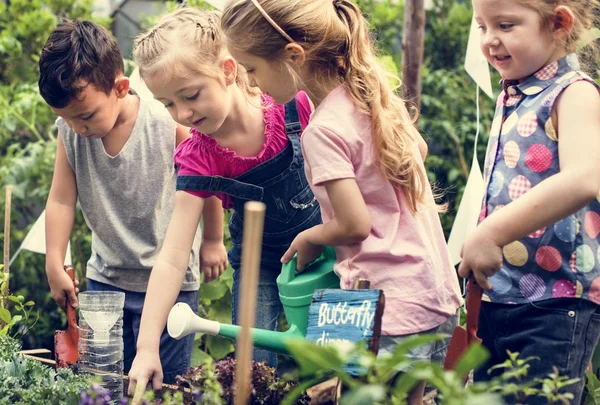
201	155
405	254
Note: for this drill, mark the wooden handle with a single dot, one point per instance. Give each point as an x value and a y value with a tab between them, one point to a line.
254	218
7	211
71	317
474	293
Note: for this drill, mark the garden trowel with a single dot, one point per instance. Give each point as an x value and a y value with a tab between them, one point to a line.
65	341
462	338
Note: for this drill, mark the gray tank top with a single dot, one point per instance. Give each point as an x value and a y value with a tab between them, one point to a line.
127	199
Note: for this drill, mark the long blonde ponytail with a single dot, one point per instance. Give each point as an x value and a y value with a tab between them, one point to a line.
336	39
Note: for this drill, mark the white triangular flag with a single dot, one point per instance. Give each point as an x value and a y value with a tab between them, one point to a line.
476	64
470	204
468	212
35	241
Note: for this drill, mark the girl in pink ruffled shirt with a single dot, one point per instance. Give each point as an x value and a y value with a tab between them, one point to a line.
202	155
243	147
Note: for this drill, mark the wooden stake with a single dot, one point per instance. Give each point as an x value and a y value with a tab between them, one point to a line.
35	351
413	40
254	218
7	211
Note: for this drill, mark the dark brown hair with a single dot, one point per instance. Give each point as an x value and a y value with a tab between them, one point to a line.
76	54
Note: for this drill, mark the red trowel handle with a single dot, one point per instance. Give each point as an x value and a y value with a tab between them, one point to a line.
71	317
474	293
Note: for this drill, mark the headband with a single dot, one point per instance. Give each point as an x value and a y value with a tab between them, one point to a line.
272	22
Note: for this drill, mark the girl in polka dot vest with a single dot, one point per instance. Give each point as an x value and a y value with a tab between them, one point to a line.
537	247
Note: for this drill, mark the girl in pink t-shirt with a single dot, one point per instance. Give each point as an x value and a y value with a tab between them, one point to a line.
243	147
364	160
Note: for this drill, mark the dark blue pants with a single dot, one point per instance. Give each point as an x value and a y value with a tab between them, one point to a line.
175	355
561	332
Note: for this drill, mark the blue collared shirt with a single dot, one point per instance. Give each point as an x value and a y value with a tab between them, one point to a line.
563	259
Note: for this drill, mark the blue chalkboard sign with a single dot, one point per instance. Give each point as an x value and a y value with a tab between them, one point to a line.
346	315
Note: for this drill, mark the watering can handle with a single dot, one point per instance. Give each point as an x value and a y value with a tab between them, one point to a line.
288	270
474	293
71	318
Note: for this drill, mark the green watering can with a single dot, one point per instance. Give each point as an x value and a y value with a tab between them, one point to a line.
295	292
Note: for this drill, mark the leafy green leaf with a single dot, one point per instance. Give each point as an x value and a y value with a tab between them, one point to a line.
5	315
475	356
214	290
312	358
593	389
218	346
364	395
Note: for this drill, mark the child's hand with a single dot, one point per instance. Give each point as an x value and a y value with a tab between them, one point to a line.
61	287
482	256
146	368
213	259
307	251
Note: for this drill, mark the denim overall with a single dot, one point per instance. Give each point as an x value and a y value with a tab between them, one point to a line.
280	183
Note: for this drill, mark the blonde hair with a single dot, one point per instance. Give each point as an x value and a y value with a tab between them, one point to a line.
185	42
586	16
335	37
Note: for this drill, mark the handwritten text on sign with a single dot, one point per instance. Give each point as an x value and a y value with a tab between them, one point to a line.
345	316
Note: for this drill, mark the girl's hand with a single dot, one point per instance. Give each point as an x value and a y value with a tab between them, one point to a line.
482	256
146	368
213	259
306	250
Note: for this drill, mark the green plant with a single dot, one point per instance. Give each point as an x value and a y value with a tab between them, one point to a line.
512	383
592	389
27	381
380	381
215	304
21	310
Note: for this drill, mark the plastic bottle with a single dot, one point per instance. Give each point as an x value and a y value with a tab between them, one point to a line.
101	338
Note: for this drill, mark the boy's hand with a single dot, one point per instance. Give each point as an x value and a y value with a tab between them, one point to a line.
213	259
146	368
482	256
62	287
306	251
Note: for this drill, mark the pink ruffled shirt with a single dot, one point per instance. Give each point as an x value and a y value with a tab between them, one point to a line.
201	155
405	254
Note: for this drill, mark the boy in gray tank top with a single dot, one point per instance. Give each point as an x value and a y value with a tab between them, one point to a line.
114	154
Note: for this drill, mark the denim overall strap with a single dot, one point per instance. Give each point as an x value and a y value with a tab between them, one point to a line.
218	184
292	119
293	129
291	205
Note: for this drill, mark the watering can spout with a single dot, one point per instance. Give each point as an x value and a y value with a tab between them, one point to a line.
182	321
295	292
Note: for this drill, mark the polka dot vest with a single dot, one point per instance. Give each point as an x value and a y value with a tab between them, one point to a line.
563	259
